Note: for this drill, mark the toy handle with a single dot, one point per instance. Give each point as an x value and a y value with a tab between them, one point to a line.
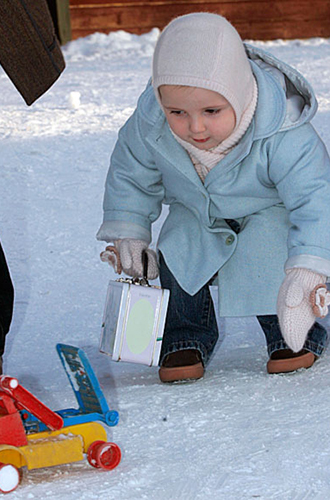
25	399
7	384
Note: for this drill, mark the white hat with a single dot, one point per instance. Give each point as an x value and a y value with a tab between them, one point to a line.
204	50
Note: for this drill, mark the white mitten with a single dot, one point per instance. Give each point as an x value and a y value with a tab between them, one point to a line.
301	297
126	255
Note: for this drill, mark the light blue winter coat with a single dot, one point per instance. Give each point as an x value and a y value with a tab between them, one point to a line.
275	183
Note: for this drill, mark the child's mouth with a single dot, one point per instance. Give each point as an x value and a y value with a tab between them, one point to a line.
201	141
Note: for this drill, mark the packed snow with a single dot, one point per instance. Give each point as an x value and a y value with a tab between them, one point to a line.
237	434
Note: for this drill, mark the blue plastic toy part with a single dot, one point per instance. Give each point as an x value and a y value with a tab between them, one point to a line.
85	385
92	403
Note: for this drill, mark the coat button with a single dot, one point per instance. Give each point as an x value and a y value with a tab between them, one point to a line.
230	239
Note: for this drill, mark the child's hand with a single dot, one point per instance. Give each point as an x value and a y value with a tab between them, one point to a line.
126	255
302	296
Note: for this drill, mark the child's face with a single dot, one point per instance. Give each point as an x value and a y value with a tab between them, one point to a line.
199	116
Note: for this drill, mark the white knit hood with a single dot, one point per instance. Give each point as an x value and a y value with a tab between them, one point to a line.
204	50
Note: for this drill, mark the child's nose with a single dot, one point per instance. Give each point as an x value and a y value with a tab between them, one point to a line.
197	124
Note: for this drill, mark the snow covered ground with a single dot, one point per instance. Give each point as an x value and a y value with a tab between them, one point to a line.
238	433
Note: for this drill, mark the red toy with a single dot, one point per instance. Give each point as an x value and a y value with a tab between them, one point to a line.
57	445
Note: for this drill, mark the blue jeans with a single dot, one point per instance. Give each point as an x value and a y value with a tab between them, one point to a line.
191	323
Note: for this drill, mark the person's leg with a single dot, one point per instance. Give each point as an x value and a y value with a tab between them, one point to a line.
6	302
191	330
282	358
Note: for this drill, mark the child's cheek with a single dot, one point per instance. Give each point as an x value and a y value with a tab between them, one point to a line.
176	125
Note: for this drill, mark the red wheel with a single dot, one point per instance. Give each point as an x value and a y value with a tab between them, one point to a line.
9	478
91	453
102	455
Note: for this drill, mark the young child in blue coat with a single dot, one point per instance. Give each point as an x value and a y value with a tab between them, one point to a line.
222	135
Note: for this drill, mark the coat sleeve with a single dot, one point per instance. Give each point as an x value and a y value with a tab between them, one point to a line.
30	53
299	166
134	191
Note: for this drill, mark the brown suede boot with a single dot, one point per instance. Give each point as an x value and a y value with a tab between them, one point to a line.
285	361
182	365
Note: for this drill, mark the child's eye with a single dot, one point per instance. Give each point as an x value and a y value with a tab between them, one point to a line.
176	112
212	111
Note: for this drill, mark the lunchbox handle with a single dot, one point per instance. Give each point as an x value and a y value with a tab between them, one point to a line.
112	252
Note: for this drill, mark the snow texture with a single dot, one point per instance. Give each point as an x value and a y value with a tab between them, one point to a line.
238	433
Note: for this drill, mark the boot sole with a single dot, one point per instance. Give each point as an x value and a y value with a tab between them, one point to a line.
180	373
290	364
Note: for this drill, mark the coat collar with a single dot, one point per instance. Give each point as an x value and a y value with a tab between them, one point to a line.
161	139
271	106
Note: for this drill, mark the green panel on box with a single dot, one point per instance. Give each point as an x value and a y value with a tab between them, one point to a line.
139	326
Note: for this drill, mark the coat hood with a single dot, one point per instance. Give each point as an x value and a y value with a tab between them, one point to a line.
285	99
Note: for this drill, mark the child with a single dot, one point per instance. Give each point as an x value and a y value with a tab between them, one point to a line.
222	135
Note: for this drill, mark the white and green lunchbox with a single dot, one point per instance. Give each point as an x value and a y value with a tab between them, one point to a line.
133	321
